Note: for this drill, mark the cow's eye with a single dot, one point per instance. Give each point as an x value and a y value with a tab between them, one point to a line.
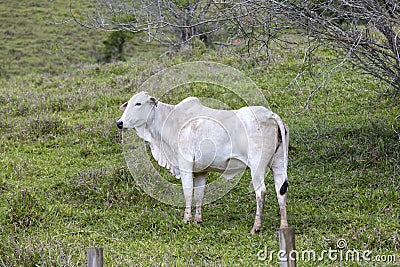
138	104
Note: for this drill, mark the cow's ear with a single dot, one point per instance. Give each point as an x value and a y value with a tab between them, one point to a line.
154	101
123	106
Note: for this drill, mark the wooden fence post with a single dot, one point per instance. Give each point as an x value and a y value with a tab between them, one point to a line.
95	257
287	249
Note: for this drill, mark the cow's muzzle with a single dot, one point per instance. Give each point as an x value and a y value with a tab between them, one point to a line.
120	124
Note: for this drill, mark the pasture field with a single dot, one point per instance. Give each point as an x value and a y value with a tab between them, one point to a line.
65	186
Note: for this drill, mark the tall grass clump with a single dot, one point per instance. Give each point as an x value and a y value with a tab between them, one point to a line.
25	210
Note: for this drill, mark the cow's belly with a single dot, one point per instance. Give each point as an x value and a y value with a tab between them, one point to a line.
228	168
220	157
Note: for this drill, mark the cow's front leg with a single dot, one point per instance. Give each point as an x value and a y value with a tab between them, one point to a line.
187	185
199	186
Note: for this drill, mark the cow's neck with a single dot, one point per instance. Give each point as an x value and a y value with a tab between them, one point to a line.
151	132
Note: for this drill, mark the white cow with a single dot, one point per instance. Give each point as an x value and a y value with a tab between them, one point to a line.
190	139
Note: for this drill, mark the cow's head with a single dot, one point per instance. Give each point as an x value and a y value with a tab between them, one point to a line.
136	111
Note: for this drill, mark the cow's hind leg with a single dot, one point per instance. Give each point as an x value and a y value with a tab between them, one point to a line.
259	189
281	186
199	186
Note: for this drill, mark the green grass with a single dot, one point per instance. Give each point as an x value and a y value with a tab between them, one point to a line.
65	186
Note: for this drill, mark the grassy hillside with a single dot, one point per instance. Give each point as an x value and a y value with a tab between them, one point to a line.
33	41
65	186
42	37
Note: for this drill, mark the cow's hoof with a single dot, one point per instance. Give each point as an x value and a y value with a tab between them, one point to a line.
255	230
197	219
187	218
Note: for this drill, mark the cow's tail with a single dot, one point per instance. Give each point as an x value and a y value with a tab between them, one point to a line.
284	131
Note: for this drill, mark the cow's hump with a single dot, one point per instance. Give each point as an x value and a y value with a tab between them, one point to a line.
190	101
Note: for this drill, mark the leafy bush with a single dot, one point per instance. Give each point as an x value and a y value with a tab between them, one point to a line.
114	45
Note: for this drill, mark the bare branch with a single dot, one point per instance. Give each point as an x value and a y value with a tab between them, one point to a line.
365	32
